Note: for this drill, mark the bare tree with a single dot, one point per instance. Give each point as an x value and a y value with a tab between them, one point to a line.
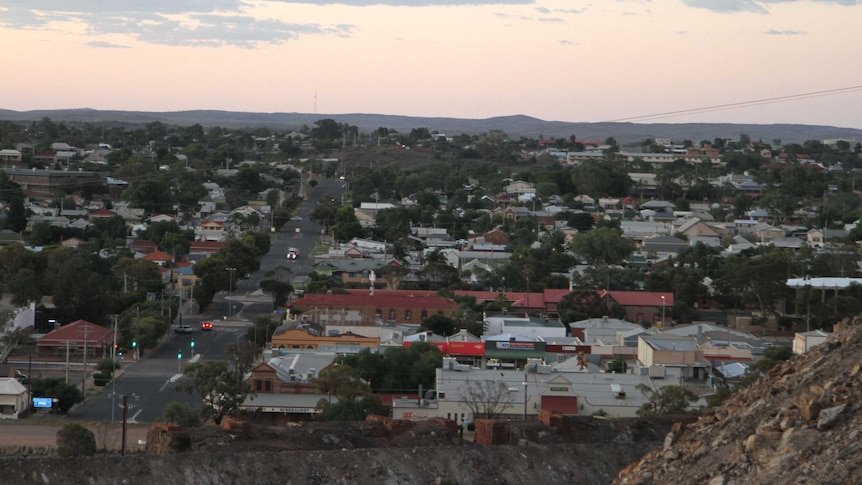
486	399
10	338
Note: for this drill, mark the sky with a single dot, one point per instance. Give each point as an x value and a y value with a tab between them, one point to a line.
651	61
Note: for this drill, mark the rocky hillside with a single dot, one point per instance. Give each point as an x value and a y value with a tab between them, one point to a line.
800	424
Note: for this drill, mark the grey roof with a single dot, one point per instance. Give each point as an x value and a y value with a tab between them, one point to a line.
300	363
662	342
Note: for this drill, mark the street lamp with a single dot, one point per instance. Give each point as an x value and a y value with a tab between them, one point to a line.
661	325
525	396
229	290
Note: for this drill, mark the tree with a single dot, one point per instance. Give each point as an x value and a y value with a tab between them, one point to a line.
602	246
67	395
439	324
10	338
485	399
665	400
346	225
399	370
279	290
618	365
180	414
220	385
74	440
354	400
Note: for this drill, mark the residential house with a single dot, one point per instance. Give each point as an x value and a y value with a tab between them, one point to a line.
663	245
821	237
8	156
804	341
76	338
161	258
666	356
14	399
143	247
519	187
765	233
642	307
211	230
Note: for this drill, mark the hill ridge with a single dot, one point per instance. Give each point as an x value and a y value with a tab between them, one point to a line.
513	125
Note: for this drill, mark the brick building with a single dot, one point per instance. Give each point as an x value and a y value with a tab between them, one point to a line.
362	307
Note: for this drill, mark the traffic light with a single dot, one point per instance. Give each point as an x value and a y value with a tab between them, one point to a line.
134	343
193	344
179	355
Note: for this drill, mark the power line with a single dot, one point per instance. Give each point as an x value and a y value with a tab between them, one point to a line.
742	104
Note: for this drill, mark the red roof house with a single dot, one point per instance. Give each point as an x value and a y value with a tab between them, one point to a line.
76	336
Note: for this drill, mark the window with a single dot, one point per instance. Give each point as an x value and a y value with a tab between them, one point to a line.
406	314
257	385
392	314
267	386
424	314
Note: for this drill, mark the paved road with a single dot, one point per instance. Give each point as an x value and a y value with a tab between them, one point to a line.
150	383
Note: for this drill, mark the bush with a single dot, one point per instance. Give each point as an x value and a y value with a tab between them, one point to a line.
75	440
181	414
108	366
101	379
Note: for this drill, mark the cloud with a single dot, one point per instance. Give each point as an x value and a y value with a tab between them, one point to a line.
409	3
106	45
567	42
785	32
756	6
198	23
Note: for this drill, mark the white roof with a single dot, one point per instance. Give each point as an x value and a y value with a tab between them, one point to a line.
11	387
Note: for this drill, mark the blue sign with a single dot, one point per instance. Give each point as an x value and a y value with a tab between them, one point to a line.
42	402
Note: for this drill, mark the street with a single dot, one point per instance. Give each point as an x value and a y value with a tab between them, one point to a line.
150	383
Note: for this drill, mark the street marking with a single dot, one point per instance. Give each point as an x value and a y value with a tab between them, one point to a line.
132	419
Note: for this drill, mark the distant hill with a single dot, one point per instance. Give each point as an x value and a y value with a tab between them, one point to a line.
515	126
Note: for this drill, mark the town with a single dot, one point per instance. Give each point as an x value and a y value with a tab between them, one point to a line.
419	275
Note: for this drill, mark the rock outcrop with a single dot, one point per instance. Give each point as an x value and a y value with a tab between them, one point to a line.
799	424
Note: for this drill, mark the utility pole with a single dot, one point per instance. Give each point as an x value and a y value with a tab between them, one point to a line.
84	378
230	291
125	413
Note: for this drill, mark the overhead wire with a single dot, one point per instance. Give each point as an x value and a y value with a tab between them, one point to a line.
741	104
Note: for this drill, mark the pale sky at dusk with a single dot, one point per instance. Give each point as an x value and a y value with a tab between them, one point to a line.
566	60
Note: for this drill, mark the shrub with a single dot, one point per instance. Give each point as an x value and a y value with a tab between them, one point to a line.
75	440
181	414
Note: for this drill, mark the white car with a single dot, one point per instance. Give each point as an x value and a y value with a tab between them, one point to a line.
292	253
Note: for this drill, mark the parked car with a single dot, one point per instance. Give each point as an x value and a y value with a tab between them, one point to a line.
183	329
207	326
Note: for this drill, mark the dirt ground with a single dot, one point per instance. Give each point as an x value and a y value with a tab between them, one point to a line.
44	435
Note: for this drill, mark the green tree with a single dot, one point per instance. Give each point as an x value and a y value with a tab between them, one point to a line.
74	440
152	195
399	369
67	395
439	324
180	414
354	400
602	246
10	339
346	225
279	290
219	384
393	225
665	400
